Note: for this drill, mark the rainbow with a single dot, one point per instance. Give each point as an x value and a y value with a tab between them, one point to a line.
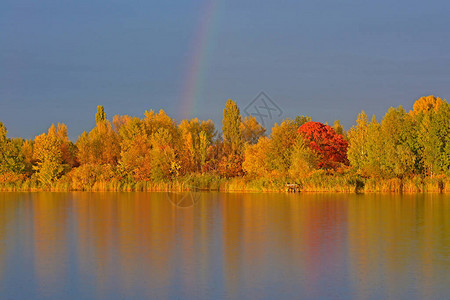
198	58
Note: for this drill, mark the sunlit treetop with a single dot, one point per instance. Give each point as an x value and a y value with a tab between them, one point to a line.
426	104
232	134
3	132
100	116
300	120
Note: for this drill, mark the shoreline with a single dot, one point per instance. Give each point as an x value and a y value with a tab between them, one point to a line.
320	182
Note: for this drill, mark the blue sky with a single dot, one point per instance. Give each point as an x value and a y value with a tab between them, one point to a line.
325	59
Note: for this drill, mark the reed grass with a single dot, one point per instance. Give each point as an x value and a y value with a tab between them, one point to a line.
317	182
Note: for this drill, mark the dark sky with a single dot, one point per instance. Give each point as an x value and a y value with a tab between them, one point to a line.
326	59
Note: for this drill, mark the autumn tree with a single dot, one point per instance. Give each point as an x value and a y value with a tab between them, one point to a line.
323	140
165	164
251	130
48	156
119	121
164	135
282	139
135	149
149	146
231	165
256	160
27	152
426	104
101	145
196	137
285	153
155	121
97	153
68	149
303	159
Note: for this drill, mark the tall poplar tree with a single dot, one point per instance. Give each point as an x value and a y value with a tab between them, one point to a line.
100	116
231	127
357	147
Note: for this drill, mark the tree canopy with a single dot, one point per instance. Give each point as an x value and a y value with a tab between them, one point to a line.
157	148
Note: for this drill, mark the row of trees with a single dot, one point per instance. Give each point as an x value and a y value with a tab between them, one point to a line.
403	144
157	148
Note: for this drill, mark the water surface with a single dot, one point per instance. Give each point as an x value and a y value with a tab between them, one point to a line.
226	246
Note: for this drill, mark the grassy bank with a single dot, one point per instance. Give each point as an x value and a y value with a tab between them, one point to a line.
319	182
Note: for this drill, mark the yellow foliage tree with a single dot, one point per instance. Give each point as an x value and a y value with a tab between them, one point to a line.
303	159
196	136
27	152
251	130
155	121
255	163
100	146
357	147
48	156
425	104
163	158
135	149
282	139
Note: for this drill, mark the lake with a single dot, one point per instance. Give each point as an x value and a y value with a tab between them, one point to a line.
224	246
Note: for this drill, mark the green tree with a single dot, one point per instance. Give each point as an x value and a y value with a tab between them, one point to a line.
433	138
442	122
282	139
300	120
100	116
374	150
11	157
409	135
3	147
338	127
397	158
3	133
357	148
231	127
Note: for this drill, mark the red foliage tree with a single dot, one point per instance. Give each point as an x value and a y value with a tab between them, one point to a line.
331	147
